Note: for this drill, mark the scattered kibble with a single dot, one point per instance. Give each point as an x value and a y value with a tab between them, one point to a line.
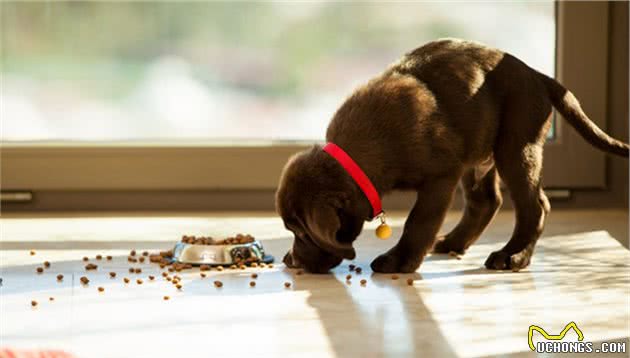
109	257
287	284
363	282
351	267
85	280
90	266
203	275
204	268
39	269
60	277
232	267
270	265
99	257
112	274
410	281
170	269
46	264
139	281
358	270
151	277
33	303
218	284
141	259
131	270
138	270
394	277
166	298
51	299
33	254
126	280
145	253
164	274
133	253
348	277
101	289
168	278
219	268
179	286
252	283
254	264
85	258
254	275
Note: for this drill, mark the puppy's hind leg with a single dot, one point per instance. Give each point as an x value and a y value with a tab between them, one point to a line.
521	174
423	223
483	200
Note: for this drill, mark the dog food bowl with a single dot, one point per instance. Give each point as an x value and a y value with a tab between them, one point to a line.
216	255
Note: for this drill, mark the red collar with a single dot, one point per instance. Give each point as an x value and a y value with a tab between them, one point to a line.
358	175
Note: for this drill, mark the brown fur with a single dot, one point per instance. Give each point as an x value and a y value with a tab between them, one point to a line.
450	111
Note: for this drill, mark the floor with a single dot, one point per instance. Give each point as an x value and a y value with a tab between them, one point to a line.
454	308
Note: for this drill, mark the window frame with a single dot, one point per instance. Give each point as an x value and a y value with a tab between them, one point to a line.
255	167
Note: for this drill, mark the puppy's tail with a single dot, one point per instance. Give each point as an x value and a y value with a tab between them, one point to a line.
566	103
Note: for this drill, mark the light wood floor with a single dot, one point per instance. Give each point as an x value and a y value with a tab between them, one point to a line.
454	308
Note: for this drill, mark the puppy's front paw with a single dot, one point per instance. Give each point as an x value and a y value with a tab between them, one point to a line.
392	262
501	260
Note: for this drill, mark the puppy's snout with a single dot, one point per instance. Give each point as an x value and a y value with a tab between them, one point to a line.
288	260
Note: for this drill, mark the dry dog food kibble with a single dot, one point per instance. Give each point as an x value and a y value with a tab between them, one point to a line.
85	258
40	270
363	282
145	253
33	303
351	267
99	257
126	280
348	277
84	280
394	277
358	270
204	268
232	267
89	267
203	275
252	283
101	289
151	278
141	259
46	264
168	278
138	270
51	298
131	270
254	275
219	268
270	265
287	284
218	284
410	281
254	264
133	253
32	254
112	274
164	274
179	287
59	277
166	298
109	258
139	281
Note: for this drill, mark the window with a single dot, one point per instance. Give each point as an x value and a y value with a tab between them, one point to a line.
231	72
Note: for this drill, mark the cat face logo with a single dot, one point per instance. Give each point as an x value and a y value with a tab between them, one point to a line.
547	336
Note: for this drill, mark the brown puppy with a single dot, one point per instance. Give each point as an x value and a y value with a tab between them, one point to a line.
447	112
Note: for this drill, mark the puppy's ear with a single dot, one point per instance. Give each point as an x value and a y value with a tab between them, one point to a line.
323	223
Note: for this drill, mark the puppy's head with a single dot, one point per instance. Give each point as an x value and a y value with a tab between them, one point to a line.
318	203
